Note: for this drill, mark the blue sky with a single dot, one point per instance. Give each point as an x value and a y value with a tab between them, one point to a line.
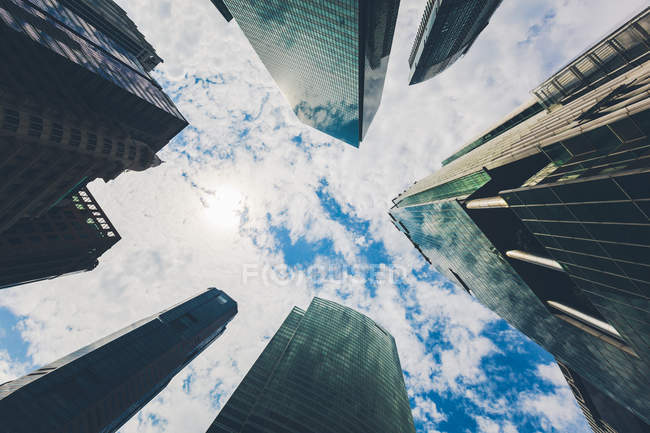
509	371
273	212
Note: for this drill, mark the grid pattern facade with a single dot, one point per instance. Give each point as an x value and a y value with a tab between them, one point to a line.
99	387
594	219
329	369
70	237
461	187
458	248
110	19
61	13
316	53
311	49
447	31
74	106
41	21
569	185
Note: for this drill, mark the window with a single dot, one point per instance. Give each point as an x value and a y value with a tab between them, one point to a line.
35	126
108	146
75	138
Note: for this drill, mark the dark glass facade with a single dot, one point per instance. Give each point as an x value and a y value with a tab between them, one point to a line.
111	20
547	224
101	386
68	238
327	369
328	58
75	105
447	31
598	229
603	414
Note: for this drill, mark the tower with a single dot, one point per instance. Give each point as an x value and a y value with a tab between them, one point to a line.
327	369
111	20
68	238
75	105
101	386
545	220
447	31
328	58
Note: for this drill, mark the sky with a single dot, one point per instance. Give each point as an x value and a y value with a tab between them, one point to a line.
253	202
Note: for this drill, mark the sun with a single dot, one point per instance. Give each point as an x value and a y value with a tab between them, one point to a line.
223	207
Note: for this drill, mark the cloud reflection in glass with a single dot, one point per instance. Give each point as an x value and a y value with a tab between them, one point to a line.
328	58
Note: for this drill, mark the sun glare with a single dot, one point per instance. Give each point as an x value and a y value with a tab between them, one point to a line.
223	208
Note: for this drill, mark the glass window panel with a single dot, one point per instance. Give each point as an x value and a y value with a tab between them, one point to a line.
642	119
599	190
536	227
639	272
552	213
569	229
511	198
540	196
600	139
645	207
636	185
524	213
616	281
634	234
582	246
558	153
598	263
631	253
626	129
608	212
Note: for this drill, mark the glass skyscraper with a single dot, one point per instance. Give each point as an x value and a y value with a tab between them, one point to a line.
327	369
101	386
447	31
329	58
545	219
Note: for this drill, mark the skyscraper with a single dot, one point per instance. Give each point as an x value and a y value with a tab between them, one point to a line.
447	32
327	369
545	218
68	238
328	58
75	104
111	20
101	386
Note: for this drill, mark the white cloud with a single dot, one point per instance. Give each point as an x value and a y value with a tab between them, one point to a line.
427	411
551	373
556	409
10	368
487	425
